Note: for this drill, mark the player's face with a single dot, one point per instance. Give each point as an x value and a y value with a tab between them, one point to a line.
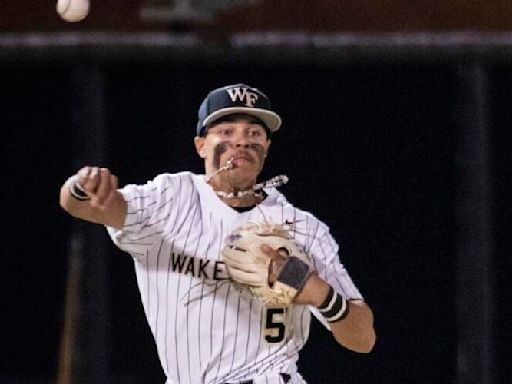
239	138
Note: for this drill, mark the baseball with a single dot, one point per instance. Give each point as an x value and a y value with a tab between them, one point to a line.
73	10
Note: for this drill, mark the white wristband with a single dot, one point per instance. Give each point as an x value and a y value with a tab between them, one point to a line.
76	190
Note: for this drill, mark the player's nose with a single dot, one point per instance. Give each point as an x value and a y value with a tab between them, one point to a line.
241	140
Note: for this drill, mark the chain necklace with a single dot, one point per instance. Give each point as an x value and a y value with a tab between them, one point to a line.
257	189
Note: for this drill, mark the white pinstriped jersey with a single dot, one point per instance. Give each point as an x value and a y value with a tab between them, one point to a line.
205	330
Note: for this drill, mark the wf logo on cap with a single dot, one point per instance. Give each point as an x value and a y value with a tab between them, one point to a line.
236	99
243	95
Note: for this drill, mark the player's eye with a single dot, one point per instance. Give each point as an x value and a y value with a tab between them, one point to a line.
255	133
226	132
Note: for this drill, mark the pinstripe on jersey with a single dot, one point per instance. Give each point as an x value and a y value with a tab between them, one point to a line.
205	330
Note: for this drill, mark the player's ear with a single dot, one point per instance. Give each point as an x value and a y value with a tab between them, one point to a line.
200	142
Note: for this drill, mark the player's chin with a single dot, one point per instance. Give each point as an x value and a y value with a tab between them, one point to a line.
245	172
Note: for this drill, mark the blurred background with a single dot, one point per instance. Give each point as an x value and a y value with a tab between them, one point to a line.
396	134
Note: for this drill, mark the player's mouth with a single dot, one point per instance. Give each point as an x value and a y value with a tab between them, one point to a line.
242	157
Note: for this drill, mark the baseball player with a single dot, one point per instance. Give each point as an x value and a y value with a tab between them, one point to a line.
208	328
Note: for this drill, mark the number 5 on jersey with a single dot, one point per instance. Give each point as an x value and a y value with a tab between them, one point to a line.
274	328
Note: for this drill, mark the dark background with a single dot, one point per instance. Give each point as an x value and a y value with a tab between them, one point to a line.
371	142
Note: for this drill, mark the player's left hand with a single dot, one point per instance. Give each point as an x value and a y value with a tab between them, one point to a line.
314	290
268	261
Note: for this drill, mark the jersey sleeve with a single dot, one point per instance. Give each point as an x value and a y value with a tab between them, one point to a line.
150	211
325	251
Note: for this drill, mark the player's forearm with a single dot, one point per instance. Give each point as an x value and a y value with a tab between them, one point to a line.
97	200
356	331
314	291
83	210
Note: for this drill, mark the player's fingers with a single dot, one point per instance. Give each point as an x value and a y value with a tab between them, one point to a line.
112	193
103	188
83	173
91	181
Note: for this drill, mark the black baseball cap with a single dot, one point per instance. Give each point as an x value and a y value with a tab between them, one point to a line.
233	99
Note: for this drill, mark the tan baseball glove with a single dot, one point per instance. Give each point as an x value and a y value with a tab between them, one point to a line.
276	279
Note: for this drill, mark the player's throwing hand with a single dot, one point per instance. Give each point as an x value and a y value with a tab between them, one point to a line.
92	194
98	184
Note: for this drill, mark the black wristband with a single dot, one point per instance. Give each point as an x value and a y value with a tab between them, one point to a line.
76	190
335	307
327	300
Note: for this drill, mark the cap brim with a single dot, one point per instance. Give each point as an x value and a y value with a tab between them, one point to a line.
269	118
